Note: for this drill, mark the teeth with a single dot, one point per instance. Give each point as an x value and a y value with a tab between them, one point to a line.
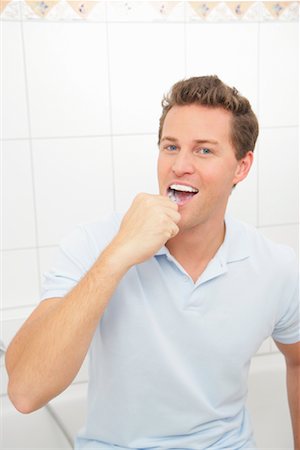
172	196
183	188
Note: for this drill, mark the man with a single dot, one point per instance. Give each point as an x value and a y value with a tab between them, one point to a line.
172	301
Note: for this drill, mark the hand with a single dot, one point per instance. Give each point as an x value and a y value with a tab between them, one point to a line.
148	224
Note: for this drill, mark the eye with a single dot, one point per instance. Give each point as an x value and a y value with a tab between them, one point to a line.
204	151
171	148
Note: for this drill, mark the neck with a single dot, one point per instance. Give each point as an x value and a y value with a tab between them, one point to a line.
194	248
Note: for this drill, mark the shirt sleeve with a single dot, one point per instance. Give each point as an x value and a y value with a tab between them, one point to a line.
76	254
287	327
73	258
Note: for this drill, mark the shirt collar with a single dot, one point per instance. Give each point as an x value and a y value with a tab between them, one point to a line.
235	247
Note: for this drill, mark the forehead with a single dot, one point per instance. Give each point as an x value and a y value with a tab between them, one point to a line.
196	121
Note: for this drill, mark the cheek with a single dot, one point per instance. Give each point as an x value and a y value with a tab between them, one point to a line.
218	176
209	174
162	168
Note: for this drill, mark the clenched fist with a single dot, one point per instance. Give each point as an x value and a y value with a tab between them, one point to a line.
148	224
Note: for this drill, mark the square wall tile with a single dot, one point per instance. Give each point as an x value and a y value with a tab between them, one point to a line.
67	78
73	184
242	202
278	74
283	234
146	60
278	176
135	165
20	278
18	224
226	50
14	121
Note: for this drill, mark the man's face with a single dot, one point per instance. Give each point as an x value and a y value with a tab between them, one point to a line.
196	154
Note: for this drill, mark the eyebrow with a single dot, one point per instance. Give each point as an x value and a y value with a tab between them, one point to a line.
197	141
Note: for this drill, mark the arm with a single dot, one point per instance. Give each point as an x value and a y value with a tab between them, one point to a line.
47	352
291	353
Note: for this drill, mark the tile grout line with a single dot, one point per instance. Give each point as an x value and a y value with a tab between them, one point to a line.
31	152
145	22
41	247
96	136
185	37
113	181
258	116
1	173
18	308
150	22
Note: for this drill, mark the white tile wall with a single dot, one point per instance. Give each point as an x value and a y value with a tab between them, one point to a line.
135	167
18	218
278	176
278	74
13	86
20	278
227	50
73	184
67	78
145	60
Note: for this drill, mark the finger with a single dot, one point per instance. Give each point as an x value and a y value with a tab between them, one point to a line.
175	216
168	201
174	230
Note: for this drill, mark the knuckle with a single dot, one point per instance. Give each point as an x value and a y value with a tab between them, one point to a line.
140	195
177	217
142	198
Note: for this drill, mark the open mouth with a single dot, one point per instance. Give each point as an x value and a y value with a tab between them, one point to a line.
181	193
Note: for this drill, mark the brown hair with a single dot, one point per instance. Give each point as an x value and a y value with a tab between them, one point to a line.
211	91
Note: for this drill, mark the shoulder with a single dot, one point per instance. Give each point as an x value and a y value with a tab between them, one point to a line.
262	250
269	249
92	236
105	228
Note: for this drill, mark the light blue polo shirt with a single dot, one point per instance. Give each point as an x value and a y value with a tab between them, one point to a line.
169	360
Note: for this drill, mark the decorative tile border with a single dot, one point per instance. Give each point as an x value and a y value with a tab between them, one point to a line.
42	8
243	11
149	11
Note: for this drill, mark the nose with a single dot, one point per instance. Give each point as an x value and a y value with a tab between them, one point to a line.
183	164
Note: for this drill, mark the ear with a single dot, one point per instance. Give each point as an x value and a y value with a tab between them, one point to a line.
243	167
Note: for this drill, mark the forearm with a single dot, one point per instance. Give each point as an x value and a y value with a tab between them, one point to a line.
47	353
293	388
45	356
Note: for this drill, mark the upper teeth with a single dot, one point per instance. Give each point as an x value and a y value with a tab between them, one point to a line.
182	187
